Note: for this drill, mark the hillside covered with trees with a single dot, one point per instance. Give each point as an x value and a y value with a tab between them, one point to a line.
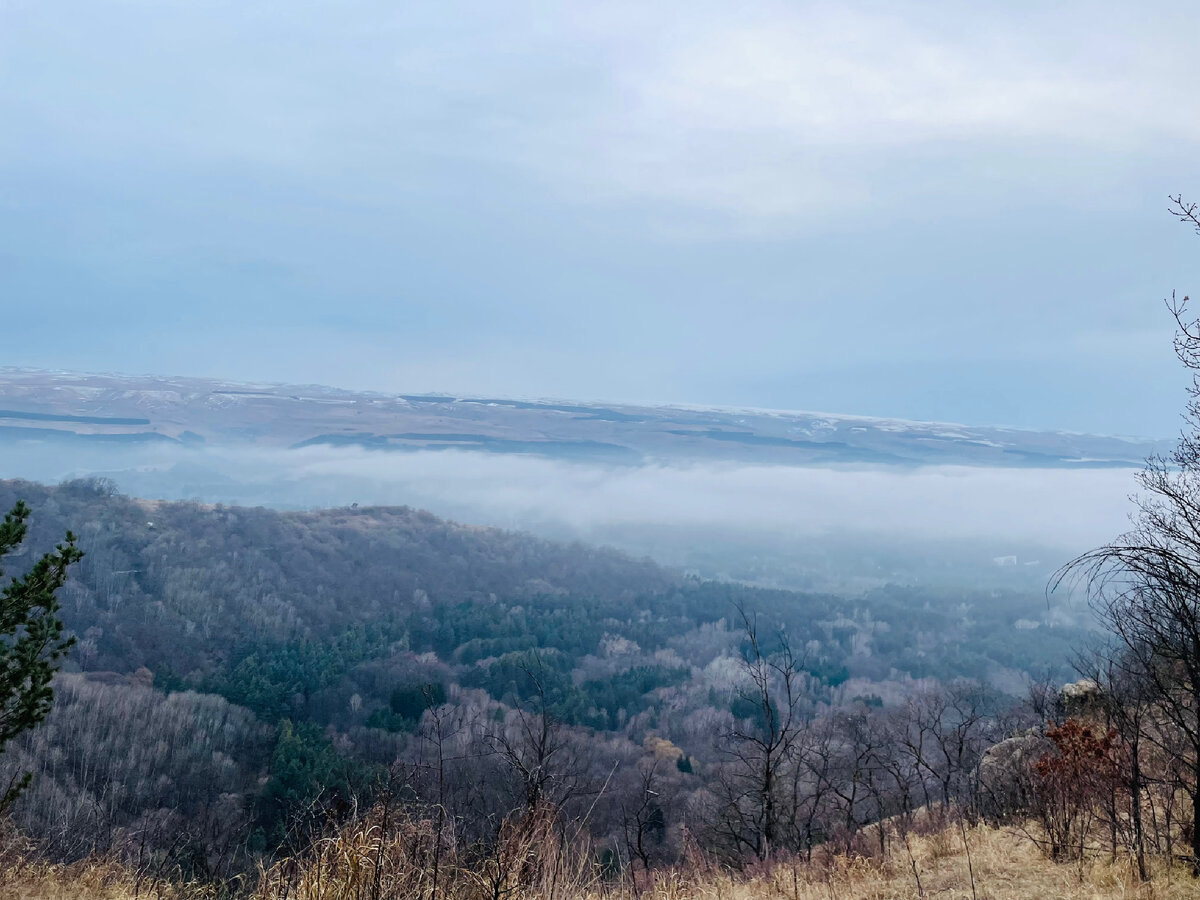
251	671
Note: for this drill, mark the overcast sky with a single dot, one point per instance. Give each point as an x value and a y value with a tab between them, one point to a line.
928	210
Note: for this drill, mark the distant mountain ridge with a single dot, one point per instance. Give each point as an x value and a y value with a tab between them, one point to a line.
38	405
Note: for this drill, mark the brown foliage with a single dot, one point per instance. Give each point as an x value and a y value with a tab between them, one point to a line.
1071	782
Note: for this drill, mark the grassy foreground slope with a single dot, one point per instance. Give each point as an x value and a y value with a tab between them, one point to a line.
1004	863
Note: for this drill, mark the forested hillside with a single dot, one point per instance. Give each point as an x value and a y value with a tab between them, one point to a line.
292	614
242	672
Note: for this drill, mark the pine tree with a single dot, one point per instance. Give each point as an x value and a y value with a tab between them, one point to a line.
31	637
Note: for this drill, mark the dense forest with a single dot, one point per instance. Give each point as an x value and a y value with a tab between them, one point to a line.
281	702
243	676
198	593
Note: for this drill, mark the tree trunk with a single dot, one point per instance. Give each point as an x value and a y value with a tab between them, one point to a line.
1135	791
768	808
1196	823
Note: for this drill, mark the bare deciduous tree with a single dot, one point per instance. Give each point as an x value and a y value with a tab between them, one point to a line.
1145	585
752	786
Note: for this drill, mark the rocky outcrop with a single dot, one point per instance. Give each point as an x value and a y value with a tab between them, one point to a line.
1005	770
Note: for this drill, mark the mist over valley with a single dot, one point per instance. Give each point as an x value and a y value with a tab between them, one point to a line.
775	498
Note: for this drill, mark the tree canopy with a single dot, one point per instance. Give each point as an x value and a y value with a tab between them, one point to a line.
31	636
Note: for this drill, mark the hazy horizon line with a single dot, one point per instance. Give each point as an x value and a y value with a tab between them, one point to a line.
600	403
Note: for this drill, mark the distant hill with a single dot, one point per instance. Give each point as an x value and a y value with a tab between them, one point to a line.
136	410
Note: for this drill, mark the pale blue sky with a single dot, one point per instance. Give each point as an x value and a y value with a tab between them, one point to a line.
928	210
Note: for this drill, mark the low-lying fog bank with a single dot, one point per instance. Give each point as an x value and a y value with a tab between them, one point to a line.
769	524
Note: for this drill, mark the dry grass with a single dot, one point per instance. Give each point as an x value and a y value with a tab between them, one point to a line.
90	880
1007	866
398	856
24	876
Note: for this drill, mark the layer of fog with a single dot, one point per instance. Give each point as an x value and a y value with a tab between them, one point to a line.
771	524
